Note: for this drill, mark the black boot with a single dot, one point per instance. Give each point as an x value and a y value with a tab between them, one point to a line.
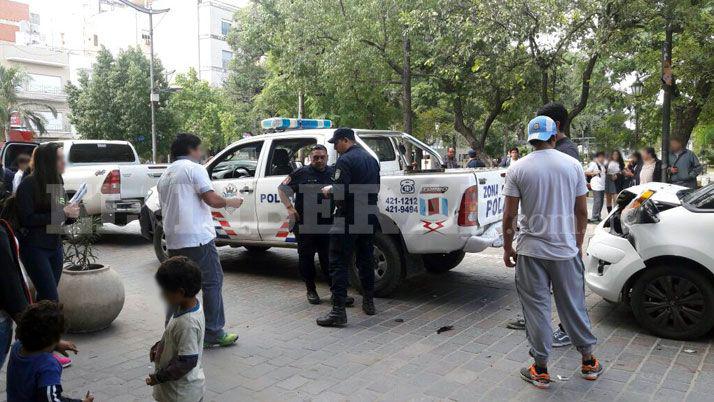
335	318
368	305
349	301
313	297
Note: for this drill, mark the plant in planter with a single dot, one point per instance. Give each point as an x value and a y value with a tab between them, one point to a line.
92	294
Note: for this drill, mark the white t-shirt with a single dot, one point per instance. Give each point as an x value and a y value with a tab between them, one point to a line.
187	220
16	180
547	182
597	183
613	167
183	336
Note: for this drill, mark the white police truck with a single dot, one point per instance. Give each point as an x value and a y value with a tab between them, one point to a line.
429	216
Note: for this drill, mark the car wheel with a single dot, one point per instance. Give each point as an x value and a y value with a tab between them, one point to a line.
439	263
674	302
256	249
160	248
388	267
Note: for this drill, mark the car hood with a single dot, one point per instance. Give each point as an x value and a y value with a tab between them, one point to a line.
666	193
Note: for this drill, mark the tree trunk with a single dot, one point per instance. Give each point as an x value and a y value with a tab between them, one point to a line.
407	85
460	125
544	85
584	92
687	115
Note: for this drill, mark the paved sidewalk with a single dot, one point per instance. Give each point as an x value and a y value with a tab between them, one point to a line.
395	355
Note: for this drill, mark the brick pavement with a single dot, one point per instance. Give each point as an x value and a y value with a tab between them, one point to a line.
395	355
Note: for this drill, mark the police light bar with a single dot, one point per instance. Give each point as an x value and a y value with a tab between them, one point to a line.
281	123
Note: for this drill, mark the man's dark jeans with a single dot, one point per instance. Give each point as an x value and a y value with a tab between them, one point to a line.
342	248
308	245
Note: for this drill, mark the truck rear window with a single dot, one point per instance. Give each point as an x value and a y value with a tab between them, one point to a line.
101	153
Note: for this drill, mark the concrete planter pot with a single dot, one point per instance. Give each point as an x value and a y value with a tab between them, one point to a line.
91	299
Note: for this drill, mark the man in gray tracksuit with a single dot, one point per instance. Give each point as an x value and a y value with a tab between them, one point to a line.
551	190
684	167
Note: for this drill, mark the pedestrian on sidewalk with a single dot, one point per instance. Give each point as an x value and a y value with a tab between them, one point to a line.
33	373
550	188
614	178
651	170
42	211
178	376
596	176
187	196
684	166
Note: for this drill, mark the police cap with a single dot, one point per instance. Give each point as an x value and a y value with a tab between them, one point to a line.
342	132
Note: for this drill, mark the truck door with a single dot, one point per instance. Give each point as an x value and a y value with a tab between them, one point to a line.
285	156
233	173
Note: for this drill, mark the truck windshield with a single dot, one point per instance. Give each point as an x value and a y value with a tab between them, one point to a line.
101	153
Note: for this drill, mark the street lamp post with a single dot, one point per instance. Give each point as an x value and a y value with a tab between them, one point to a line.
637	88
153	96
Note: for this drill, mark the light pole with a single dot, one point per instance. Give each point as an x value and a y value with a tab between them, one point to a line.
153	96
637	88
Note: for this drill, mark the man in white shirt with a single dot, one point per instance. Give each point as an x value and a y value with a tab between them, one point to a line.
186	195
597	171
550	188
22	162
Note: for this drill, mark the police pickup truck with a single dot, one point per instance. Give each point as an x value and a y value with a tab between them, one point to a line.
429	217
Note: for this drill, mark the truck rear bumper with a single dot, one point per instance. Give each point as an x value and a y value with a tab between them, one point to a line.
491	237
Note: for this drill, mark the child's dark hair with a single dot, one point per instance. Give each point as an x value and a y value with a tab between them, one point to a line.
41	325
178	273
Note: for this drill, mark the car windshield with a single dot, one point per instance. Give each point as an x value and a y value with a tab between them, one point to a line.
700	199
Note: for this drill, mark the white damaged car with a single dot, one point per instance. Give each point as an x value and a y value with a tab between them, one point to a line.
655	252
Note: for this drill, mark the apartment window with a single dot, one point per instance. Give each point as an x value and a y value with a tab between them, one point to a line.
226	58
44	83
95	39
225	27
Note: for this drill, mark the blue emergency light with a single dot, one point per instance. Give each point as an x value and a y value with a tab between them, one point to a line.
281	123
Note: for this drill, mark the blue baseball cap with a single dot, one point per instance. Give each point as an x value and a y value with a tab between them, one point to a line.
541	128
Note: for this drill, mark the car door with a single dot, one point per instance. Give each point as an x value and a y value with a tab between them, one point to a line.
286	155
234	173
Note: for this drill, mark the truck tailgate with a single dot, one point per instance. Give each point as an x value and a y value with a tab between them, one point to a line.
136	180
490	196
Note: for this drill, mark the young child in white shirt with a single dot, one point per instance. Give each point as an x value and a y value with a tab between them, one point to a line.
177	356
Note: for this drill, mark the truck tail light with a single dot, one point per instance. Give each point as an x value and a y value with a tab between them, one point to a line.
112	183
468	212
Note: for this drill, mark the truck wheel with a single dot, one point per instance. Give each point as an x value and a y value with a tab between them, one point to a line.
160	249
674	302
388	271
256	249
438	263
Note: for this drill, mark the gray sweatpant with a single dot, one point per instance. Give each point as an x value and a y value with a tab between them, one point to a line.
534	278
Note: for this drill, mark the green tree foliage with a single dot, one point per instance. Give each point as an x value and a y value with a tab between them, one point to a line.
203	110
479	68
113	102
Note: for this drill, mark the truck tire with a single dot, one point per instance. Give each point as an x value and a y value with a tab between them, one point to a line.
439	263
674	302
160	249
389	273
256	249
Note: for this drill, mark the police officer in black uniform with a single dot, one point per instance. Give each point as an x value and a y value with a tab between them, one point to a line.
355	191
310	224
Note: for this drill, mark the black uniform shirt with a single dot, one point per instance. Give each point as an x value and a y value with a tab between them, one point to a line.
305	180
356	166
